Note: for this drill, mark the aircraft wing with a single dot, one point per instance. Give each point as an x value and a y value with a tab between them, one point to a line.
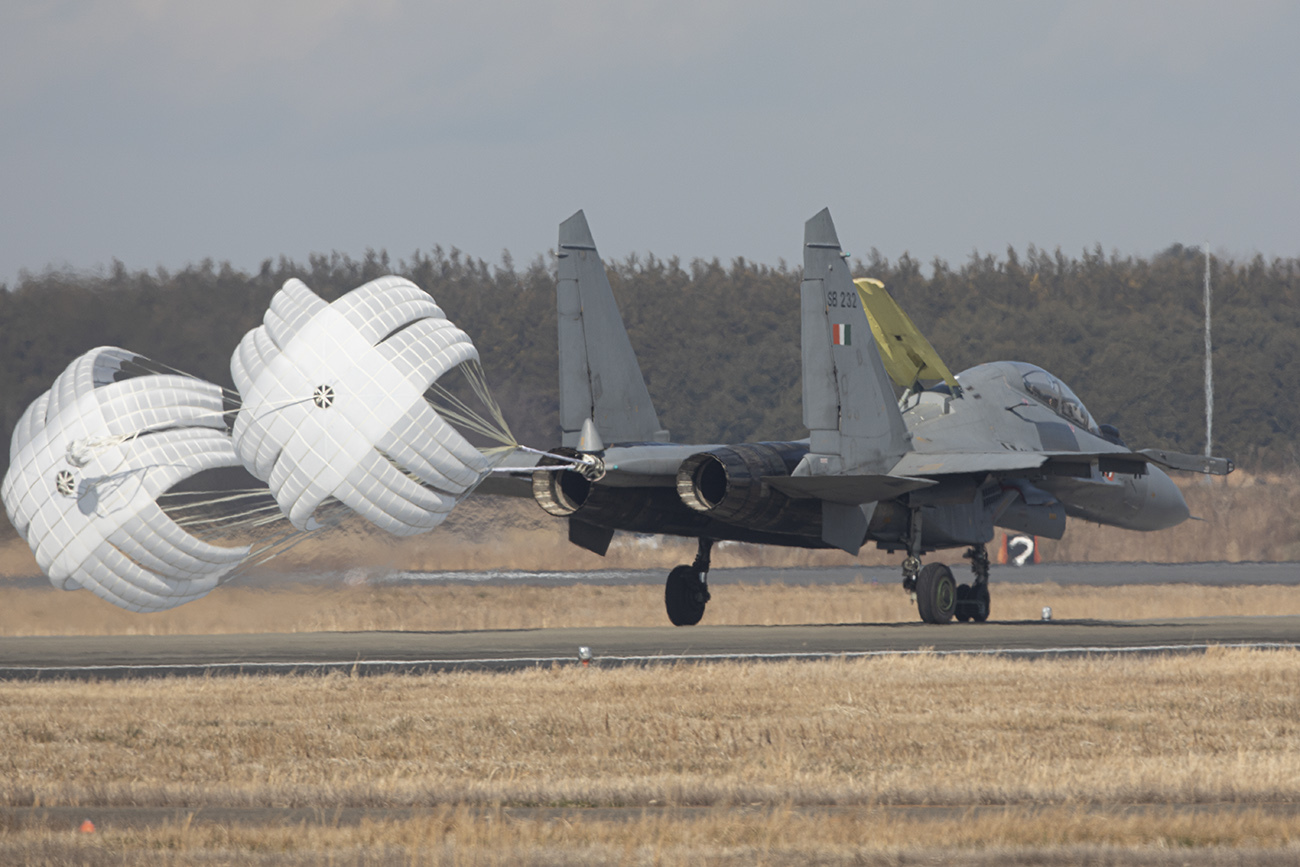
847	490
908	356
1134	463
1056	463
927	464
1189	463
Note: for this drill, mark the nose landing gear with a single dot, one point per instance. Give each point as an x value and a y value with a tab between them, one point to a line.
938	596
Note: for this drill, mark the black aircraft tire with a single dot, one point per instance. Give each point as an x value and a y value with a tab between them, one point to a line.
980	601
936	593
964	610
684	596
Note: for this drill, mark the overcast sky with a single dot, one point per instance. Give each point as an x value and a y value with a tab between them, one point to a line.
161	133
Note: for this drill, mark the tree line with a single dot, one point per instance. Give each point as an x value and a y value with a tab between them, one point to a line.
719	343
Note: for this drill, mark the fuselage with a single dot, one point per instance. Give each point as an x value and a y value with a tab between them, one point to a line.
1005	456
1009	406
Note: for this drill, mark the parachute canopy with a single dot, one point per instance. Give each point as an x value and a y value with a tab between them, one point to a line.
334	405
88	461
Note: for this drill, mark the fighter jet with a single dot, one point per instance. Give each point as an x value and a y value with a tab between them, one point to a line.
1004	444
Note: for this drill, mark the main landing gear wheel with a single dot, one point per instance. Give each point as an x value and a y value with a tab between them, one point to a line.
980	601
973	599
936	593
687	589
962	611
685	596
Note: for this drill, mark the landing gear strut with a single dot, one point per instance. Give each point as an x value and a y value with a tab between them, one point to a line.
973	599
932	585
687	590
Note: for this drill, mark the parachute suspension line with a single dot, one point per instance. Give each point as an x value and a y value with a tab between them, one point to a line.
592	467
478	381
288	541
226	496
276	407
256	508
260	550
225	392
239	519
279	547
83	451
493	426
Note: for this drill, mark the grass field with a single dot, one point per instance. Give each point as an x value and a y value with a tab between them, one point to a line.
760	745
779	763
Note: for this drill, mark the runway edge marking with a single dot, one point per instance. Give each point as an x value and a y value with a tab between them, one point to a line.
27	672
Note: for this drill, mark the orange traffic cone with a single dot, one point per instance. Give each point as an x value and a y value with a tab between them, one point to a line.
87	827
1000	555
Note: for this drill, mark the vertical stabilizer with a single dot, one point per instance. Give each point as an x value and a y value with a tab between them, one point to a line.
849	404
600	379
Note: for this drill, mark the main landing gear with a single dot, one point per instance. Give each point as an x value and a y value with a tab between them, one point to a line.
938	596
687	590
973	598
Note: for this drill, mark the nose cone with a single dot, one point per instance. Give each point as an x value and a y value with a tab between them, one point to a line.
1163	505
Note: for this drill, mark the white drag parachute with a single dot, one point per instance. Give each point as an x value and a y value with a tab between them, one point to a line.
89	460
335	404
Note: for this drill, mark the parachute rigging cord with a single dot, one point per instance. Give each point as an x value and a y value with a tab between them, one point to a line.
491	426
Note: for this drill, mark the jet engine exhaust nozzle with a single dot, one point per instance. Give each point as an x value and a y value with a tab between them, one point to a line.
727	482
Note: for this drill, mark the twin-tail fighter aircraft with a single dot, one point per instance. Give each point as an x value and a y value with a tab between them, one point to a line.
1004	444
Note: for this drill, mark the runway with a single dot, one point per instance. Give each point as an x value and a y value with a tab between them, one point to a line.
1065	574
118	656
141	817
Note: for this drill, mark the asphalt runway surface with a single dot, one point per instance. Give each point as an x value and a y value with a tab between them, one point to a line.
136	817
118	656
1086	574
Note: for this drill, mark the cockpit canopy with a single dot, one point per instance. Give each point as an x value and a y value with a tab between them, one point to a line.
1051	392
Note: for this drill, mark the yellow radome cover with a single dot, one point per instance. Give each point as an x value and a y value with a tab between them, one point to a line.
908	356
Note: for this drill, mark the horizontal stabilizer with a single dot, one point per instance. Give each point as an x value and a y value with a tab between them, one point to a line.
847	490
1189	463
907	355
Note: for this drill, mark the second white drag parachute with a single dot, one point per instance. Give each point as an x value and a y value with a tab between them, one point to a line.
334	405
88	462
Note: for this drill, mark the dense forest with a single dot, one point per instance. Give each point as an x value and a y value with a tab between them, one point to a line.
719	344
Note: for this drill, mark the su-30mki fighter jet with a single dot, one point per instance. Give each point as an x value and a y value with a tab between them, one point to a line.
1003	444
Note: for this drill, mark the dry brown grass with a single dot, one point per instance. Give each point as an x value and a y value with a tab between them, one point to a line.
1225	726
456	835
904	730
440	607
